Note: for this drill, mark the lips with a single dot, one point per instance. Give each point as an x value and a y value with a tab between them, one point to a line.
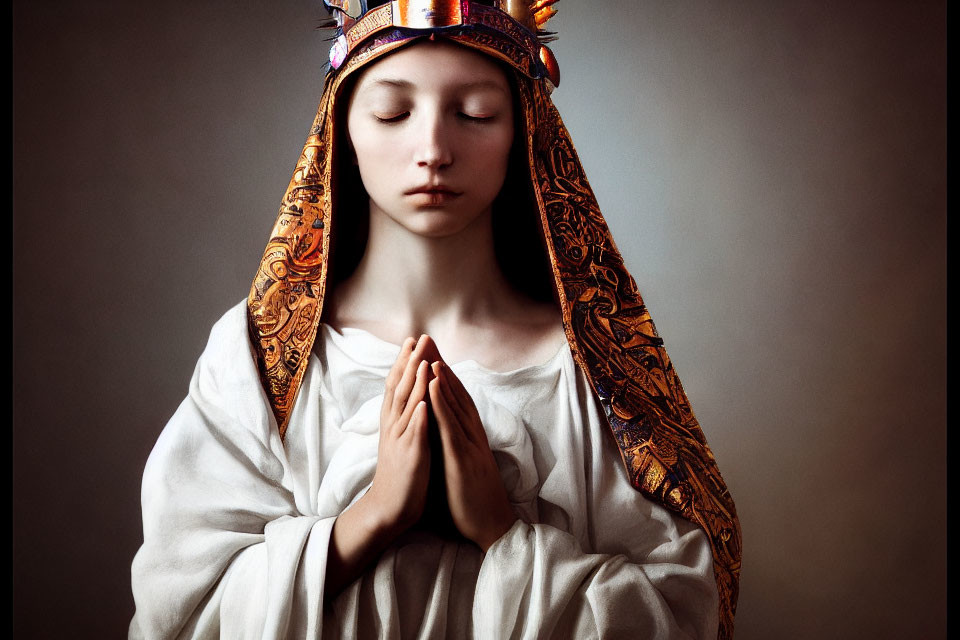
434	189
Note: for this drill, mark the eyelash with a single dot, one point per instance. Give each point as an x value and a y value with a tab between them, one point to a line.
475	118
399	117
393	119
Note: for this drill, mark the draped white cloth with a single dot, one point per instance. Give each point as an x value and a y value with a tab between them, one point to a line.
237	523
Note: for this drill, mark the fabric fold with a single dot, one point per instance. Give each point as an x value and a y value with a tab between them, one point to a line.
548	585
222	528
237	527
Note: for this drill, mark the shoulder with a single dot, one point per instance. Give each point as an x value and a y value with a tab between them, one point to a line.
229	337
226	401
228	362
232	324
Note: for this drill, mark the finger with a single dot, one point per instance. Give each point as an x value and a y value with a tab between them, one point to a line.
409	378
418	422
462	404
423	424
430	351
426	349
451	435
451	412
416	395
402	357
396	371
449	379
464	399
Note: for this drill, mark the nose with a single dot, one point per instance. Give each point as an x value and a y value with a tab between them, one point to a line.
433	150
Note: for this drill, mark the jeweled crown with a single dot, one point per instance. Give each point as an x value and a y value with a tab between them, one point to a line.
521	21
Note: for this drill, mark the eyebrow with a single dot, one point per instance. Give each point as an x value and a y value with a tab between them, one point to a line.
406	84
400	84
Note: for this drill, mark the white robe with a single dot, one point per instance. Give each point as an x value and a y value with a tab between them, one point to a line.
237	523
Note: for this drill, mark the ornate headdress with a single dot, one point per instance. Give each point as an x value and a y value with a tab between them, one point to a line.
610	332
516	23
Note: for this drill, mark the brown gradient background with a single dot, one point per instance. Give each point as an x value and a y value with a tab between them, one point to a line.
774	173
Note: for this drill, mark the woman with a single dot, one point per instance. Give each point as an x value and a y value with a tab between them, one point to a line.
321	507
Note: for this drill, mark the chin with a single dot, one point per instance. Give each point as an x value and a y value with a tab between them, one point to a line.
439	223
436	229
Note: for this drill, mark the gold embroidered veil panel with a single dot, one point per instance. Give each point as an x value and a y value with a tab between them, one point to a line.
610	332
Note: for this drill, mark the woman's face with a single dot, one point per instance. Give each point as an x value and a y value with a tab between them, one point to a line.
432	127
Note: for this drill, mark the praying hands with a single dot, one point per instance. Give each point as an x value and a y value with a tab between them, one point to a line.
476	497
475	492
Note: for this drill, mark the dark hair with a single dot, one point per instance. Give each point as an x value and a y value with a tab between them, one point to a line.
517	233
350	222
518	238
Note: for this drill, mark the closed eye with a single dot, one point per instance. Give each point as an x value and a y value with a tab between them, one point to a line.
467	116
396	118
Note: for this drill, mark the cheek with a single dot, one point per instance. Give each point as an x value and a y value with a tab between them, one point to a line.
366	148
493	153
375	158
369	148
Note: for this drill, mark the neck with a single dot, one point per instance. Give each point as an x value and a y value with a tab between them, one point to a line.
408	283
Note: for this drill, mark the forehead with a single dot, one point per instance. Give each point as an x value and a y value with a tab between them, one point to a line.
434	65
